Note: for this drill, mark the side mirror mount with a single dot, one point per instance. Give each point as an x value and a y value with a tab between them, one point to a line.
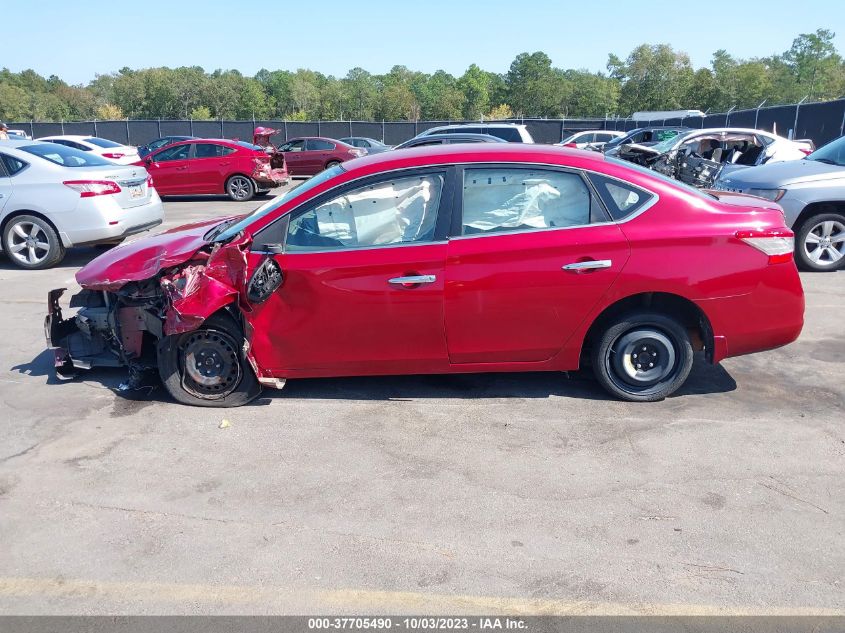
274	249
148	160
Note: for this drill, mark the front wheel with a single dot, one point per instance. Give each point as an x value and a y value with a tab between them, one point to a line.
240	188
332	163
206	367
820	242
643	357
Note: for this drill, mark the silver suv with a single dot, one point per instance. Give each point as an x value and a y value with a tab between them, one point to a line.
812	194
510	132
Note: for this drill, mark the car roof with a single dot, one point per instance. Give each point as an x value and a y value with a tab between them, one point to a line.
69	137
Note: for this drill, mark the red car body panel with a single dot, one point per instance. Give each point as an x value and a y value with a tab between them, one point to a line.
310	162
208	175
500	302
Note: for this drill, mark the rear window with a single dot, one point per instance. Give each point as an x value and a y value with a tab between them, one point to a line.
66	156
102	142
256	148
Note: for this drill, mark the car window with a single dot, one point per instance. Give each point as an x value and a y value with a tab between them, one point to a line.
509	134
208	150
318	145
664	135
437	141
251	146
159	143
174	152
11	164
102	142
225	151
586	138
603	138
497	200
621	199
293	146
397	211
66	156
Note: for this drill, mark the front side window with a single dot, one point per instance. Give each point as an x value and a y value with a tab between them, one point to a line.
497	200
397	211
293	146
176	152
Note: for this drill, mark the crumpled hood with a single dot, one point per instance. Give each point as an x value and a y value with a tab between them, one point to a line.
145	257
775	175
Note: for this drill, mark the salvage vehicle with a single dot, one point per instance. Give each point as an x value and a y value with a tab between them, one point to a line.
54	197
239	169
307	155
700	156
812	194
115	152
590	139
449	139
642	136
491	257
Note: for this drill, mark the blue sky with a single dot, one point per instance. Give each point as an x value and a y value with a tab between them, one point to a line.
333	36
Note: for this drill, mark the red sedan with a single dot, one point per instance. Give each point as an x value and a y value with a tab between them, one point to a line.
199	166
309	155
447	259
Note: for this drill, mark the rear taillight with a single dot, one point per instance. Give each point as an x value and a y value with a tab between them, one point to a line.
806	150
150	181
778	244
113	155
91	188
357	151
575	145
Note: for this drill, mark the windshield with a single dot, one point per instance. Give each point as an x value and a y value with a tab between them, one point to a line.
102	142
278	201
833	153
66	156
654	174
618	140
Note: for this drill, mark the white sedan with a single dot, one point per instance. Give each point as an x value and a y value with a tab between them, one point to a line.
115	152
53	197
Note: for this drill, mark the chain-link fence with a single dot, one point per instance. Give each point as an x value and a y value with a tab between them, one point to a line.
821	122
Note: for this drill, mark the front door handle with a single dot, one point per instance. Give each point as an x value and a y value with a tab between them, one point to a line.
589	265
413	280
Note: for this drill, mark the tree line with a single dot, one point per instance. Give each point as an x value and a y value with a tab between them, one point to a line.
651	77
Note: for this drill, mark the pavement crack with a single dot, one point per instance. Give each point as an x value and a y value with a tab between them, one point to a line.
19	454
792	496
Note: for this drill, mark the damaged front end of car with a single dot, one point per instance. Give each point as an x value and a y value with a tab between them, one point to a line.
122	321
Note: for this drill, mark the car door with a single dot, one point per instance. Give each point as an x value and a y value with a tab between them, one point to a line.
295	157
363	283
170	169
207	167
317	153
532	251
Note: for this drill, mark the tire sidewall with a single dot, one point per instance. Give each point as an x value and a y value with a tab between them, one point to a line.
252	188
54	255
668	326
804	262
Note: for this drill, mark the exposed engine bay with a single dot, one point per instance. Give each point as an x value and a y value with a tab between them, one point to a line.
702	159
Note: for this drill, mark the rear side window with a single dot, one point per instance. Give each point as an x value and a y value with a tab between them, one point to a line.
497	200
620	198
509	134
316	144
102	142
11	164
66	156
208	150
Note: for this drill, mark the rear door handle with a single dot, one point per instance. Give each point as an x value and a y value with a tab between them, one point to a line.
589	265
413	280
181	168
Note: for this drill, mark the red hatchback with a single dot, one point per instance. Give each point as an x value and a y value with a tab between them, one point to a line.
447	259
309	155
235	168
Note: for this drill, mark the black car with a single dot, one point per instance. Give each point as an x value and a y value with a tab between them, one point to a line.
149	148
643	136
443	139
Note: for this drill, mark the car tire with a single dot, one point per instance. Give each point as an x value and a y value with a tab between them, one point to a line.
332	163
240	188
814	250
32	243
617	356
207	367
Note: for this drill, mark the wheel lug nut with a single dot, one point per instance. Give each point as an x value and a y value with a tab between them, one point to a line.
651	364
633	356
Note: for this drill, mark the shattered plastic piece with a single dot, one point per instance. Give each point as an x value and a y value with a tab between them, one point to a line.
224	424
124	386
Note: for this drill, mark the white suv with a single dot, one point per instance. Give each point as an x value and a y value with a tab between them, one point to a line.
510	132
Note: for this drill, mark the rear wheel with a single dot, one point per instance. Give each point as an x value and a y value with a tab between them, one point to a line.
643	357
31	242
207	367
332	163
240	188
820	242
